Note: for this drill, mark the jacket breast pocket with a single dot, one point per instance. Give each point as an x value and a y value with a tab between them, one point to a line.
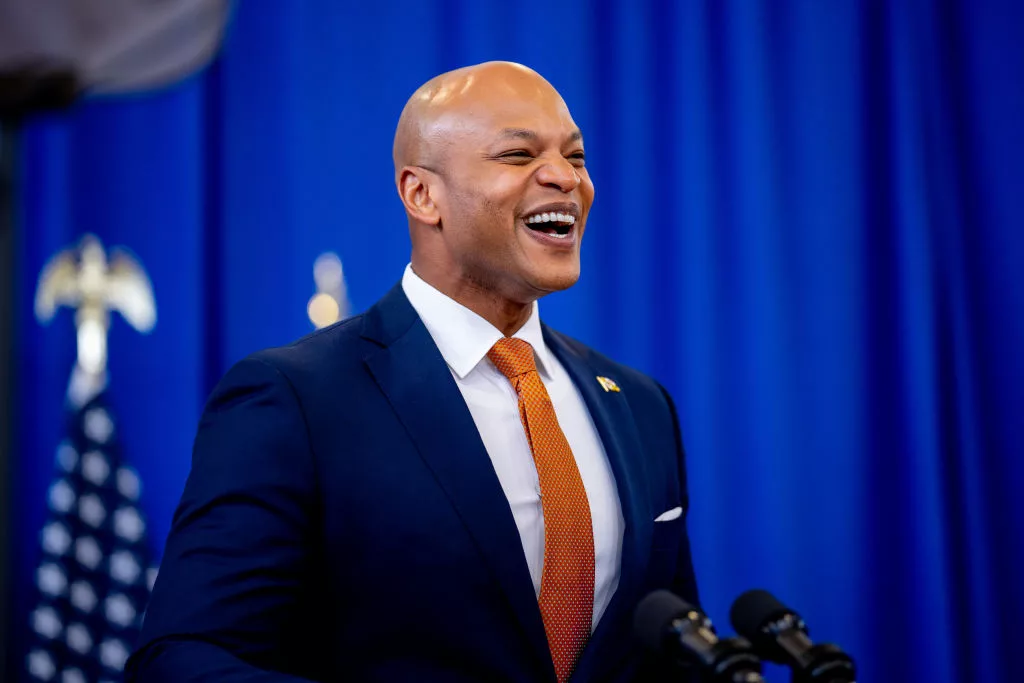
666	538
667	534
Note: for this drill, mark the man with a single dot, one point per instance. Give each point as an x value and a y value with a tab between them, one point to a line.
440	489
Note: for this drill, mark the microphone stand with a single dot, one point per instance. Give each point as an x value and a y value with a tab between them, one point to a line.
825	663
727	660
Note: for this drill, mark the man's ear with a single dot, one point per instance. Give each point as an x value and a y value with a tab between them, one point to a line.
414	187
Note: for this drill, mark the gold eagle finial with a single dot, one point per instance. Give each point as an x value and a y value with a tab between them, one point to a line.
82	278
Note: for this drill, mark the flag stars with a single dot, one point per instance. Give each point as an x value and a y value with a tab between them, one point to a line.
124	567
113	654
62	497
73	676
46	622
98	426
92	580
119	610
40	665
78	638
128	524
51	579
67	456
87	552
56	538
83	596
128	483
91	510
95	468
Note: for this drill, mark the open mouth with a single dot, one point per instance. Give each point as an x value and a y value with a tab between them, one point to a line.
555	224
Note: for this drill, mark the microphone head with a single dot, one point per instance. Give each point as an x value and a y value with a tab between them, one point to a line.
653	618
779	634
755	610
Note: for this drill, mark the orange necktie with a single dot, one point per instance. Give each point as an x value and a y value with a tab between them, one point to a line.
567	582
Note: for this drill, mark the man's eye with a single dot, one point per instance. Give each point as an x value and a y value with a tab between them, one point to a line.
578	158
515	154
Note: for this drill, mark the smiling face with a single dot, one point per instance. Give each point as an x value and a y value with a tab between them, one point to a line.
500	194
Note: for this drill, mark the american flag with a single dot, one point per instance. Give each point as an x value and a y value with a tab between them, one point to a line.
94	577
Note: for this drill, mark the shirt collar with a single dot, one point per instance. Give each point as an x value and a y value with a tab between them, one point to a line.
462	336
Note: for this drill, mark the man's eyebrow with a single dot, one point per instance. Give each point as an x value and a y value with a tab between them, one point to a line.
520	133
527	134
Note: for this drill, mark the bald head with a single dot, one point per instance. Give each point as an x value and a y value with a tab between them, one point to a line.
445	104
489	165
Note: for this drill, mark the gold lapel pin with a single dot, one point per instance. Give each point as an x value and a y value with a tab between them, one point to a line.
608	384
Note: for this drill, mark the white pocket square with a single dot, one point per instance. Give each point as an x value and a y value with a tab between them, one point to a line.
669	515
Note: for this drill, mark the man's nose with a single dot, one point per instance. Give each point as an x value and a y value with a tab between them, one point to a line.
559	173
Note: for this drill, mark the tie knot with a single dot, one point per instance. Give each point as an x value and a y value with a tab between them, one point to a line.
512	357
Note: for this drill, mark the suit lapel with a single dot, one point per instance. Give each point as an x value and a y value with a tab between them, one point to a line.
613	418
416	381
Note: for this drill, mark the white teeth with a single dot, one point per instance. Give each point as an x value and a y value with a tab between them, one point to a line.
549	217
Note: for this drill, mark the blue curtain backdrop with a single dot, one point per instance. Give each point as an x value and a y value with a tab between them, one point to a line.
808	226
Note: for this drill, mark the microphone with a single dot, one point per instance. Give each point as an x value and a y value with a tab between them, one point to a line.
667	625
779	635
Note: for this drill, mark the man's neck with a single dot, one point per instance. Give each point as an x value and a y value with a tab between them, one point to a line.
506	315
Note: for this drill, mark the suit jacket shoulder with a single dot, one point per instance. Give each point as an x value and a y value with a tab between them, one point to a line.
322	355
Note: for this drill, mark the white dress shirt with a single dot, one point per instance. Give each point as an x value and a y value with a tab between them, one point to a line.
464	338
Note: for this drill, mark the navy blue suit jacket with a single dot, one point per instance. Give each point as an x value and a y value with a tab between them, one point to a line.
342	522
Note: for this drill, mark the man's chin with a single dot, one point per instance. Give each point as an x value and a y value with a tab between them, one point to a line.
553	280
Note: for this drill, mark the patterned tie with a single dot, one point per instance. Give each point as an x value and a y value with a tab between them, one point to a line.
567	582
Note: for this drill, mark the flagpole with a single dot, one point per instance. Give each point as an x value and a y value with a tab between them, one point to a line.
7	153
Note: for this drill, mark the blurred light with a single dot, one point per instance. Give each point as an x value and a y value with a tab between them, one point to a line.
323	310
328	273
330	303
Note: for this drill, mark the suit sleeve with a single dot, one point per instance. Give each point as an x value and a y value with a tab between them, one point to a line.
229	602
685	582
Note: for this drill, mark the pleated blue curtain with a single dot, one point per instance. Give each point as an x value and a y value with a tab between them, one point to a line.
807	226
